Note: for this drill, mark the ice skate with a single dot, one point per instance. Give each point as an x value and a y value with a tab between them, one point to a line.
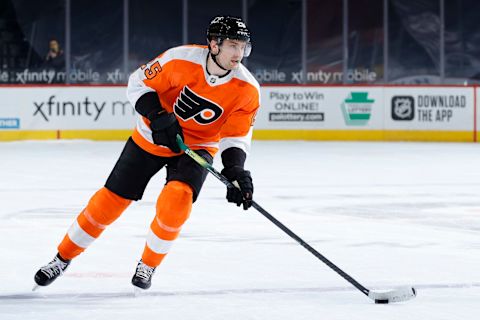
143	276
47	274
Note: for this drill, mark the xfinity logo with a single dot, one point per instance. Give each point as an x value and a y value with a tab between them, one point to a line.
403	108
54	107
29	76
190	105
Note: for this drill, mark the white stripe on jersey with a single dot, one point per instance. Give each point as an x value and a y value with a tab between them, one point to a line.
243	74
136	88
237	142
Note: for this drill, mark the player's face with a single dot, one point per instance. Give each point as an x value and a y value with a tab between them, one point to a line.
231	53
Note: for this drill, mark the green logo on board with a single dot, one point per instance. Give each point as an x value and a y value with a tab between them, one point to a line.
357	109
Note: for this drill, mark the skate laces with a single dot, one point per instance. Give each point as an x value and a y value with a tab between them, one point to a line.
54	267
144	271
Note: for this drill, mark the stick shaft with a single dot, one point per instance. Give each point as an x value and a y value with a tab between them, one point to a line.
202	162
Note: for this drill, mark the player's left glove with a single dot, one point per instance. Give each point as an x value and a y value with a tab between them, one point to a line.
165	128
164	125
242	177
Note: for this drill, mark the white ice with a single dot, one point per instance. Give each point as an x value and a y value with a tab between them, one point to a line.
389	214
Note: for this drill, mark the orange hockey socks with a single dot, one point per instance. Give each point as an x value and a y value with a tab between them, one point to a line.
173	209
102	209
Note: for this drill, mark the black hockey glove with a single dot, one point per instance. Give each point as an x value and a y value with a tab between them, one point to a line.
165	128
242	177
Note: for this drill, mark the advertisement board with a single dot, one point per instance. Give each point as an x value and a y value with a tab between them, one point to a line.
447	108
65	108
419	113
316	108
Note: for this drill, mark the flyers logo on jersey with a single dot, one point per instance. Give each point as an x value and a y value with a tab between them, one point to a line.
191	105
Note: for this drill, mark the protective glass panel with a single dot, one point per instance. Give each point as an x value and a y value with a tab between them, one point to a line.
324	41
154	26
276	27
462	41
28	29
365	41
414	41
97	41
201	12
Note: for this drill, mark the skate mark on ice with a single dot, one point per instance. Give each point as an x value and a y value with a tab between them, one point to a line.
43	294
44	213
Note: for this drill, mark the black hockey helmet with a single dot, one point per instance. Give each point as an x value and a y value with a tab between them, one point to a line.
232	28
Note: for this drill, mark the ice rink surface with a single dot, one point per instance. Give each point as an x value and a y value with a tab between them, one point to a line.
389	214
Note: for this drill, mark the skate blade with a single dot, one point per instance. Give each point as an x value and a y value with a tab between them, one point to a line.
35	287
137	292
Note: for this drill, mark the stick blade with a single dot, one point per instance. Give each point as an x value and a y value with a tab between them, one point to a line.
392	296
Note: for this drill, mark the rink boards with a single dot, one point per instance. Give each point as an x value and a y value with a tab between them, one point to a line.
390	113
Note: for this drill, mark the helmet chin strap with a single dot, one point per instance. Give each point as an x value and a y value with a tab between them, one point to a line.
214	58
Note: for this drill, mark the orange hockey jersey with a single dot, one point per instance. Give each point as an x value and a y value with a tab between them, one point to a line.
214	112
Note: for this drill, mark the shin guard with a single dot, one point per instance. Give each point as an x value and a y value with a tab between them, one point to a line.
102	209
173	209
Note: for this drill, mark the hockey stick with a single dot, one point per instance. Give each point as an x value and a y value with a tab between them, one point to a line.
396	295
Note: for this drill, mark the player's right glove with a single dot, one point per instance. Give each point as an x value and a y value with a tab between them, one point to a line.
165	128
242	177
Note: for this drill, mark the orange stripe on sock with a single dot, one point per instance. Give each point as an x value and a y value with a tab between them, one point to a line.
102	209
92	221
87	226
173	209
165	227
162	233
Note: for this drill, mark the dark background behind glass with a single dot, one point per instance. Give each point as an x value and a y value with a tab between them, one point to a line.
99	47
97	38
324	40
154	26
201	12
276	27
26	27
462	39
365	40
414	39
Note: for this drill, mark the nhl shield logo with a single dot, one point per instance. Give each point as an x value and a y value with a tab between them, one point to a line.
403	108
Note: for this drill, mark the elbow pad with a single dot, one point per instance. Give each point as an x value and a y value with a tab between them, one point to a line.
148	104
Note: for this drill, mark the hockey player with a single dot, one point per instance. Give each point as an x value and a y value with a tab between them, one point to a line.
202	93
